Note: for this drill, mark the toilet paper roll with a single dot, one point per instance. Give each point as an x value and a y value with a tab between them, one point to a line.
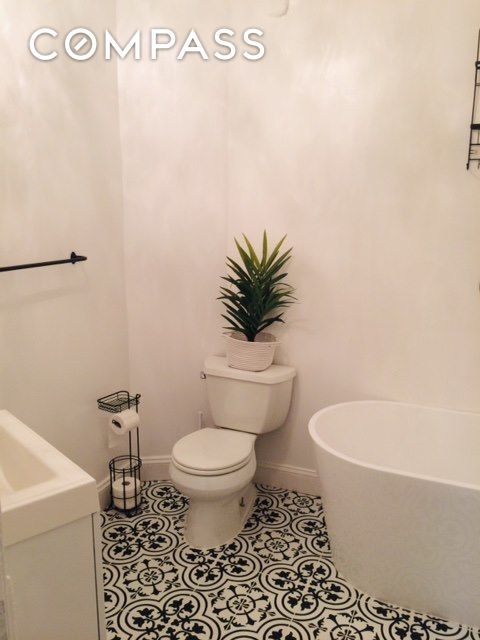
127	487
123	422
127	504
124	490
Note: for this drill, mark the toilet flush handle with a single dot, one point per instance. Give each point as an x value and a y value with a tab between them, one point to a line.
203	375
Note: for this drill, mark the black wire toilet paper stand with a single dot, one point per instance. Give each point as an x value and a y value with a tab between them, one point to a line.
125	470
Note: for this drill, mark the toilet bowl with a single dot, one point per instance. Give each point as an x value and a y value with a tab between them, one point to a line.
219	486
214	467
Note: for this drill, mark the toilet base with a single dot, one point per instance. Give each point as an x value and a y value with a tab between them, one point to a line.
219	505
213	523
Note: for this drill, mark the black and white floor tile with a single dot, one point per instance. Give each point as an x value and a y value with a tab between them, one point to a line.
275	581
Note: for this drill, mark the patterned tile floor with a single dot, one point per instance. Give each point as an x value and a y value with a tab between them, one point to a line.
275	581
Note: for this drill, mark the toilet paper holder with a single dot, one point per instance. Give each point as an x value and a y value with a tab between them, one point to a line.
125	470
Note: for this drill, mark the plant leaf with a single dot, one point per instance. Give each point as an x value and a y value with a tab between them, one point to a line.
255	293
251	251
264	249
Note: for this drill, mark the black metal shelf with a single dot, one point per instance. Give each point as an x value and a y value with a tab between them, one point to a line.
119	401
34	265
474	142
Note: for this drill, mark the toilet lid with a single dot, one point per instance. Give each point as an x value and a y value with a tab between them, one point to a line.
213	450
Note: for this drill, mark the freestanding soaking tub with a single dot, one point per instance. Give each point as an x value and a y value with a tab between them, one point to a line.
401	488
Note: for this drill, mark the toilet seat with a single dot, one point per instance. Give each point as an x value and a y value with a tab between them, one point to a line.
213	452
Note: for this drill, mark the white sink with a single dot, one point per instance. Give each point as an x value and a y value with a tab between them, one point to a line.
40	488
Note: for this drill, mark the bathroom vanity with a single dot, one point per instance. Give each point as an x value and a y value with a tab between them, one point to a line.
50	525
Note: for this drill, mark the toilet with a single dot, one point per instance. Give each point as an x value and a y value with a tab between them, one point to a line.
214	467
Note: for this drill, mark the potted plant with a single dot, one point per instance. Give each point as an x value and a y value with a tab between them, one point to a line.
255	300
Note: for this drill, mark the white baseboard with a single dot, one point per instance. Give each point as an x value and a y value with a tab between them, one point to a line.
288	477
270	473
155	468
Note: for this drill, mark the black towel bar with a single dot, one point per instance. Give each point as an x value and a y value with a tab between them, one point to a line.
33	265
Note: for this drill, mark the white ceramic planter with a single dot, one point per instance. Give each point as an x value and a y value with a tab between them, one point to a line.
250	356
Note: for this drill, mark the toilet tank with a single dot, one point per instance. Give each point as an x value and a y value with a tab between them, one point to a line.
252	401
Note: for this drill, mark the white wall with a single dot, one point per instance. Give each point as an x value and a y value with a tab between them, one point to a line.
351	137
174	142
63	329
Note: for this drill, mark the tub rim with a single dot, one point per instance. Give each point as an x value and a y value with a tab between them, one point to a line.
359	463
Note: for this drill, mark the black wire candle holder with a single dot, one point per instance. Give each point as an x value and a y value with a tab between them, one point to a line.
125	470
125	483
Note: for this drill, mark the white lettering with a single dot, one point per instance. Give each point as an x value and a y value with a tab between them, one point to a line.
197	47
33	44
81	44
225	43
161	45
253	43
88	36
133	43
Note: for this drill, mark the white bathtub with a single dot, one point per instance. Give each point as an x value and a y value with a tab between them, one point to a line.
401	488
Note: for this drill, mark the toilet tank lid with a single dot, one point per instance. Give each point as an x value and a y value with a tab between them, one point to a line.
217	366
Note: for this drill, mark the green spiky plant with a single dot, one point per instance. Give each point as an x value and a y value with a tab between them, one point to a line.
257	294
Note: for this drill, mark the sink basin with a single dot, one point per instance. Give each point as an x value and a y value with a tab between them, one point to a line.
40	488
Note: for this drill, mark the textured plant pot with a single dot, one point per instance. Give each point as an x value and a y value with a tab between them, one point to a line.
250	356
